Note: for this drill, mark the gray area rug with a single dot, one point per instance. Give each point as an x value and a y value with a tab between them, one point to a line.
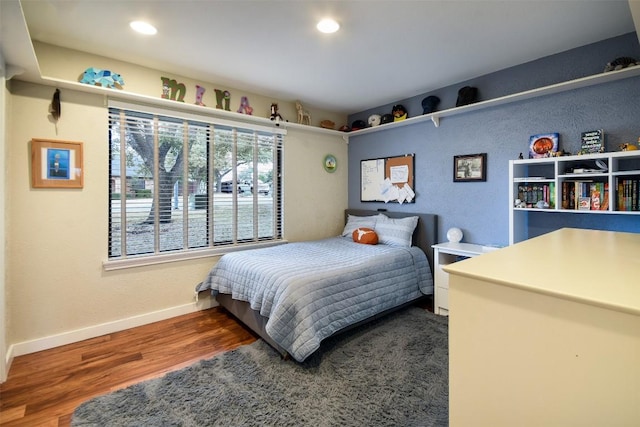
392	372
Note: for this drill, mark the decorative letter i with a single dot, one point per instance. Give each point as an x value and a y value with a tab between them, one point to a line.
199	93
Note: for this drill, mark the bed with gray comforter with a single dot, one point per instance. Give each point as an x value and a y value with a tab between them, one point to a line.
307	291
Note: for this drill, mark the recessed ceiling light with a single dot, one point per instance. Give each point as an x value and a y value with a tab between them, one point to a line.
328	26
143	27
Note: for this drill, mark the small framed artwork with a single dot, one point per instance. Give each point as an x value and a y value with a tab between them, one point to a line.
543	145
56	164
470	167
330	163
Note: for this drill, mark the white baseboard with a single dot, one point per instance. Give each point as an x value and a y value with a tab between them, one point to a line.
7	365
52	341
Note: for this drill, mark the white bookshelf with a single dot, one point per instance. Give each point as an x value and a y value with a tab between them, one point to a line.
554	171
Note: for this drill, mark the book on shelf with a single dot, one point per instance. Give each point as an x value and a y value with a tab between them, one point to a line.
584	195
604	204
599	192
628	194
592	142
537	195
595	196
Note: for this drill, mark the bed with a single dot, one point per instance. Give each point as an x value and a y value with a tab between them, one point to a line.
297	294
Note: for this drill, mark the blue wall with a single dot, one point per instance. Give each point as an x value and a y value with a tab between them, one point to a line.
480	209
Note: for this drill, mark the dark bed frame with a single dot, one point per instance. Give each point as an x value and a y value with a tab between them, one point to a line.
424	236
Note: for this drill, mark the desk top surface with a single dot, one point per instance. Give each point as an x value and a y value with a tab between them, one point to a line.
590	266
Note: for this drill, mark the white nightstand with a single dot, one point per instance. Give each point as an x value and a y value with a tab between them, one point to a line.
443	254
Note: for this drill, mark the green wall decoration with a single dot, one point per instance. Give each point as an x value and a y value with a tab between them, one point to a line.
223	95
173	90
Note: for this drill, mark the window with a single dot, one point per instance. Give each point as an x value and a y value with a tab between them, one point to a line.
182	185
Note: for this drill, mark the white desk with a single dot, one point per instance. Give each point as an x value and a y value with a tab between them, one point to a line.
547	333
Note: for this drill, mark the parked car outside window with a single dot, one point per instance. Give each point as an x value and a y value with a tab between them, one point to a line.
263	188
227	187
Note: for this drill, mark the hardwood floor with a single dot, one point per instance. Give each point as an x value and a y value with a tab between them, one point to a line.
44	388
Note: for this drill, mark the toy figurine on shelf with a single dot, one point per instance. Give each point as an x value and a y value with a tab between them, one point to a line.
399	112
275	116
627	146
304	117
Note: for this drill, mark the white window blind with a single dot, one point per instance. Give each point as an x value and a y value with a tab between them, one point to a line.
183	183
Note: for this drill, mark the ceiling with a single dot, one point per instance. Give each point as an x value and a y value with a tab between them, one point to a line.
385	51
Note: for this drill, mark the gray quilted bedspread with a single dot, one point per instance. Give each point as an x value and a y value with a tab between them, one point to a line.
309	290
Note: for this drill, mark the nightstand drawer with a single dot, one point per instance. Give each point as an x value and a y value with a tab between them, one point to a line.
443	298
443	255
442	277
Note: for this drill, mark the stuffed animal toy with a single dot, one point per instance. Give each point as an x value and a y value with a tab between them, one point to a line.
429	104
399	113
374	120
275	116
467	95
620	63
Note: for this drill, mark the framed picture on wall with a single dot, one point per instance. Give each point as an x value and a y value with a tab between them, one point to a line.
56	164
470	167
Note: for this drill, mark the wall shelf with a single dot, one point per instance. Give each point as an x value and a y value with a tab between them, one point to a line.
123	95
435	117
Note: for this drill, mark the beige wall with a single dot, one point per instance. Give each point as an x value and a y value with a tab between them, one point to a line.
57	239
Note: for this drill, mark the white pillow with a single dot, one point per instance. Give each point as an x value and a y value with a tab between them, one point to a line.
354	222
396	231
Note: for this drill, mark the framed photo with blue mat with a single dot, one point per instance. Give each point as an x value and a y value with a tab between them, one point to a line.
56	164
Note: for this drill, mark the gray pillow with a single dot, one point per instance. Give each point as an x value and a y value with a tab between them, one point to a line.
354	222
396	231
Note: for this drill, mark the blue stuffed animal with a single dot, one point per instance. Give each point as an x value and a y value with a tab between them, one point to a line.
104	78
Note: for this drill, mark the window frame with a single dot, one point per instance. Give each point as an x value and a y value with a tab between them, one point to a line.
212	248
